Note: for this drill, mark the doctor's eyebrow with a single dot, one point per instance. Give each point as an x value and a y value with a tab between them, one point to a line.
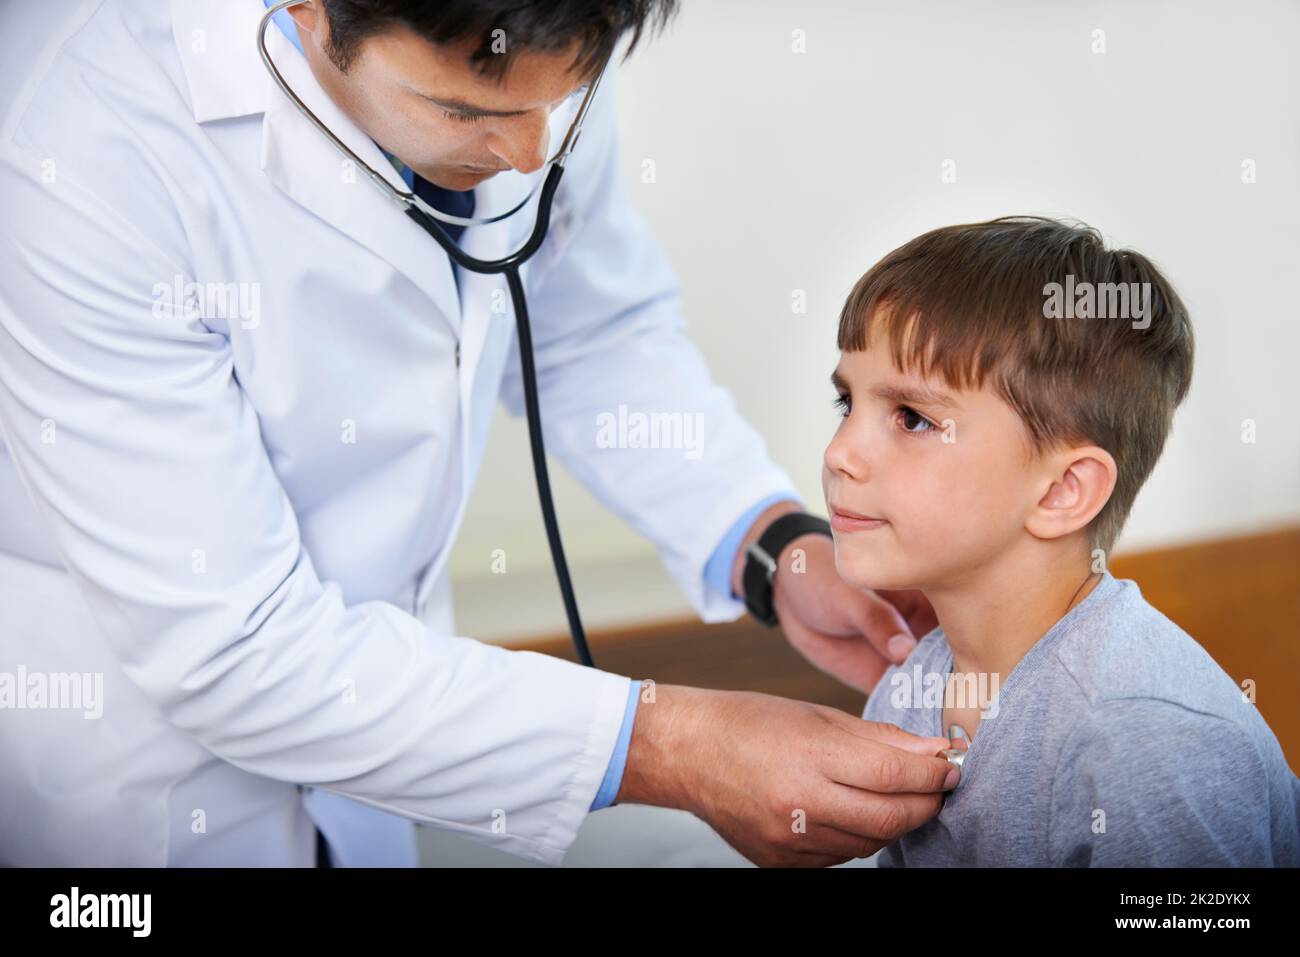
904	395
469	109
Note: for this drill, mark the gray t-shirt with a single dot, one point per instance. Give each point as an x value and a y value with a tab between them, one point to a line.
1117	741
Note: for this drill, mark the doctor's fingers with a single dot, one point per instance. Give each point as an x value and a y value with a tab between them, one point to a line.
891	771
915	609
870	817
828	846
882	623
860	758
889	734
818	845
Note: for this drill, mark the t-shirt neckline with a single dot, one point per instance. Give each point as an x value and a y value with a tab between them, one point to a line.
1100	592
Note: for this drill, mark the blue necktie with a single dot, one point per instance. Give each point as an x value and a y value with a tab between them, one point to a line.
458	203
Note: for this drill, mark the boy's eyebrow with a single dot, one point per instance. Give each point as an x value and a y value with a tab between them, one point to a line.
905	394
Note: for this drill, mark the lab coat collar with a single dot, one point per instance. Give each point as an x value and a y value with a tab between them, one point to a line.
216	40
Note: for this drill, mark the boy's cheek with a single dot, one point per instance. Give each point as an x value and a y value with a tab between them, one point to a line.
874	559
930	523
924	501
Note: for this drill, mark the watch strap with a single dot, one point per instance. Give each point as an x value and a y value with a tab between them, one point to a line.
760	562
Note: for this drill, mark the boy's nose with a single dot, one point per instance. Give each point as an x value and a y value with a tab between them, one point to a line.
843	457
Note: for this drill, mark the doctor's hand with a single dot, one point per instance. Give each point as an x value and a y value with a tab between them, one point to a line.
847	632
786	783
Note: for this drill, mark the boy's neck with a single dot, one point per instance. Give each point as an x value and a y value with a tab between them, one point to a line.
996	613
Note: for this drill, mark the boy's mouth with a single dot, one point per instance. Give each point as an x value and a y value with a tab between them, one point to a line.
847	520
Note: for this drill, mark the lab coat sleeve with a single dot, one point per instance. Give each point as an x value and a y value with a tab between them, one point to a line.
1200	799
144	459
612	353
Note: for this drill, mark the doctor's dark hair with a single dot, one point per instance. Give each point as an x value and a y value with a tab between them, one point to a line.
975	303
545	26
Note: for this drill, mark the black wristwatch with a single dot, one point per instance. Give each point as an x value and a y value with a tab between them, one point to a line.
760	562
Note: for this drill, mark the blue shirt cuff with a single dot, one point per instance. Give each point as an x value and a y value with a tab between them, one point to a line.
717	571
614	773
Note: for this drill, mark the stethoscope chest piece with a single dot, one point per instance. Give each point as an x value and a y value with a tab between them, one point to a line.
958	747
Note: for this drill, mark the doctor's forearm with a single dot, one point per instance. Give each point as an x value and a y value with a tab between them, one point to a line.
660	755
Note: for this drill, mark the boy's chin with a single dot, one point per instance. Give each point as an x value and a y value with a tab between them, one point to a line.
882	583
864	570
869	576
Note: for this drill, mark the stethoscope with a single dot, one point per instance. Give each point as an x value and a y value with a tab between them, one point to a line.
428	219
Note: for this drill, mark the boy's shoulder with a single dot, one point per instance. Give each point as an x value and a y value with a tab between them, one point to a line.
1124	647
1168	742
1127	661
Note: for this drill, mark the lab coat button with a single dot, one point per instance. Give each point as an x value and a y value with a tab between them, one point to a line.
457	355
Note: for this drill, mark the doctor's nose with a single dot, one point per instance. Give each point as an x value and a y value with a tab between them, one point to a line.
524	143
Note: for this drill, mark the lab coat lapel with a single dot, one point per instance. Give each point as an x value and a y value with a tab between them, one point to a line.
485	299
488	330
306	166
488	312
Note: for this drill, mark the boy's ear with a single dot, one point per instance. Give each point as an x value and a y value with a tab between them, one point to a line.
1081	482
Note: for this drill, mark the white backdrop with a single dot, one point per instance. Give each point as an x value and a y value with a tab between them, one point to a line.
777	170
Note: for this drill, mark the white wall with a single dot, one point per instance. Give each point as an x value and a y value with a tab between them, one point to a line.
779	171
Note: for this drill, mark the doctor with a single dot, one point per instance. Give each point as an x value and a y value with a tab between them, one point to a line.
244	400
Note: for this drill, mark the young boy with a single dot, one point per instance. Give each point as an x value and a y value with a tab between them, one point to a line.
1006	389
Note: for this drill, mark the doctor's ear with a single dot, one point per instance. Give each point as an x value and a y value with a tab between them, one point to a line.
1081	482
307	16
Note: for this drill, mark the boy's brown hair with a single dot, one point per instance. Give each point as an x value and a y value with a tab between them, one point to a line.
976	303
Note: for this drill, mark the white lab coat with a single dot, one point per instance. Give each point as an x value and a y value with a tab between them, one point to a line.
241	518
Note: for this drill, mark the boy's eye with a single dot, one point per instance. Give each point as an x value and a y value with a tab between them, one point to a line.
913	421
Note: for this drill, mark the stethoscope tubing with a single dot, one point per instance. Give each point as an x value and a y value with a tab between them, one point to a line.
430	220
